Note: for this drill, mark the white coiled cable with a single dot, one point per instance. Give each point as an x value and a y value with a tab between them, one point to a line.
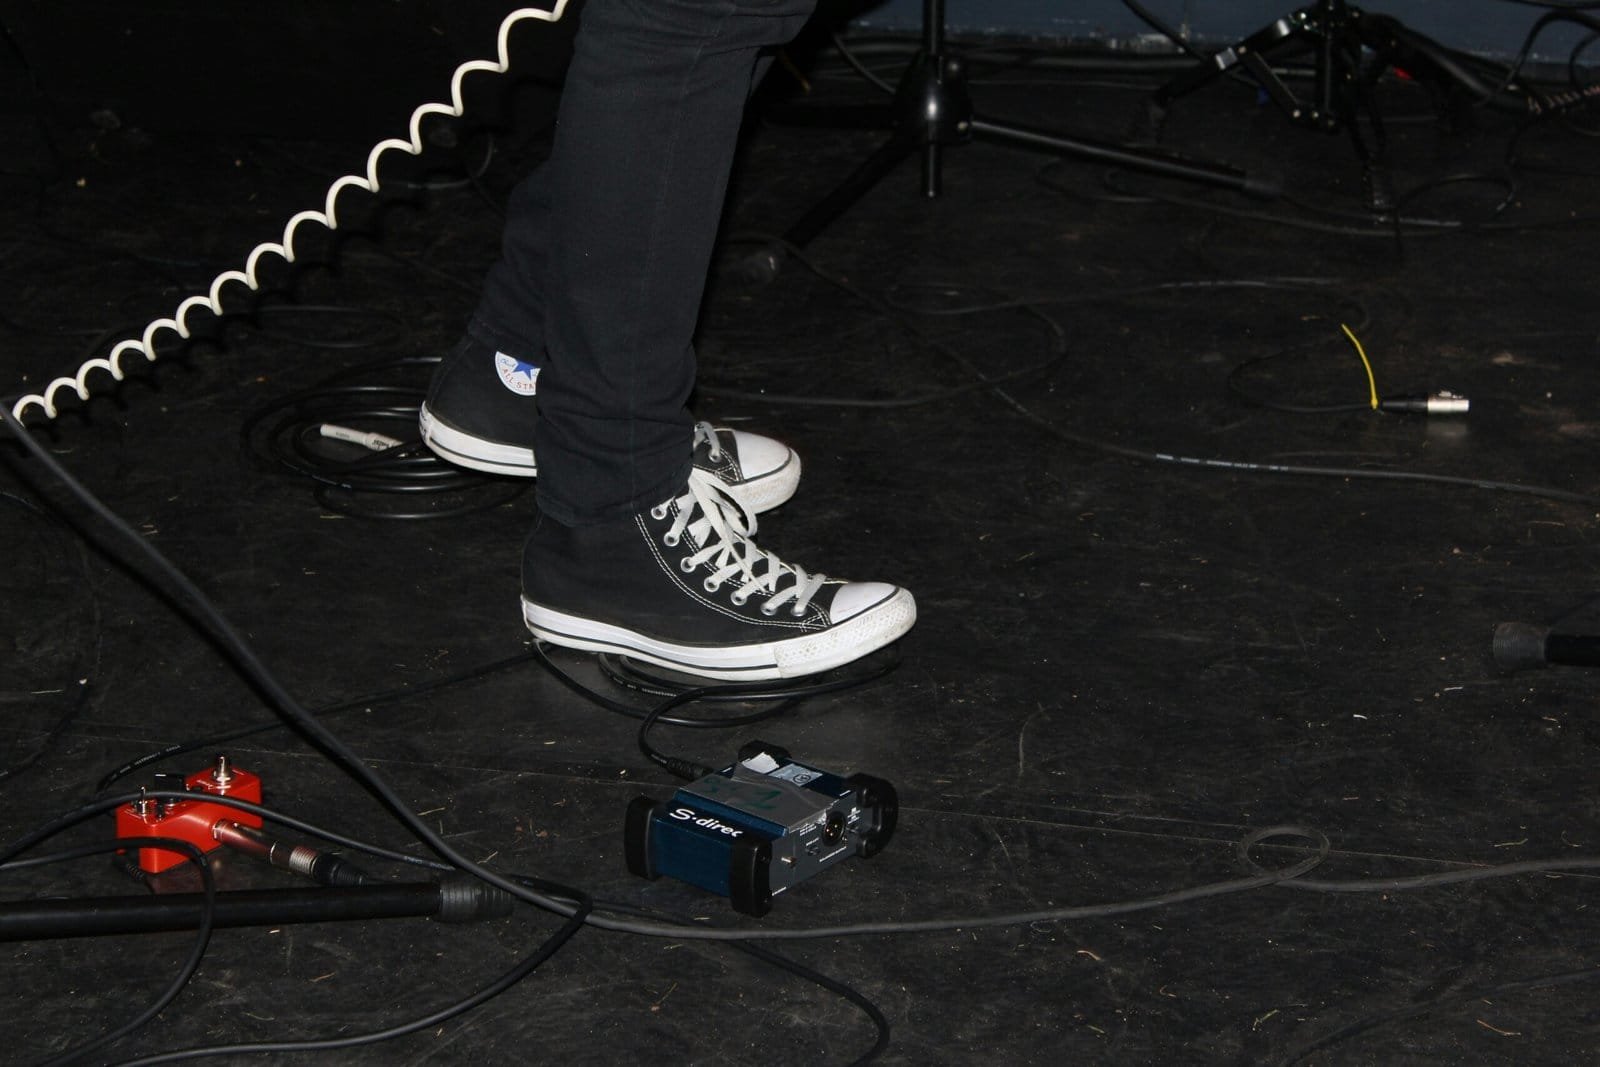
45	400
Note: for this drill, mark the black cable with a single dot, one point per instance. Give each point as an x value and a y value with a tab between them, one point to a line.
859	67
833	985
1041	369
1463	68
1574	71
1452	63
562	905
1513	151
290	435
784	693
168	267
10	850
37	97
898	296
816	685
422	266
389	332
390	696
580	908
799	970
982	380
87	662
1364	225
1289	877
578	902
997	920
1355	1029
1237	388
1260	876
1368	225
186	971
185	593
994	386
203	608
1434	881
57	730
1292	469
617	707
1539	101
206	615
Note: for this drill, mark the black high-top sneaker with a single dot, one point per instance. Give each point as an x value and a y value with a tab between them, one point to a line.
684	586
480	412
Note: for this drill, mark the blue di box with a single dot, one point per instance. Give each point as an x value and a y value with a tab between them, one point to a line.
756	828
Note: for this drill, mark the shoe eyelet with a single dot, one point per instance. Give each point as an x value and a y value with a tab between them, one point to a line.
739	599
658	512
798	613
712	586
670	540
686	565
768	610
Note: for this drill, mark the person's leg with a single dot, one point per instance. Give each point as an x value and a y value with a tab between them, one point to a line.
480	411
480	408
648	124
510	315
638	548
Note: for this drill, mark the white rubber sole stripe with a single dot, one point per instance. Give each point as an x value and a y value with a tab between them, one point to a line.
476	453
465	450
790	657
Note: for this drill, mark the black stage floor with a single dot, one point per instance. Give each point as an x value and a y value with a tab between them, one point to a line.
1161	614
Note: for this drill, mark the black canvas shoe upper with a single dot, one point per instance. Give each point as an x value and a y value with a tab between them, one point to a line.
481	410
683	584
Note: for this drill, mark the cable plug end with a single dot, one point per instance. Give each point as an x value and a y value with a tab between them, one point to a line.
687	769
377	442
1443	402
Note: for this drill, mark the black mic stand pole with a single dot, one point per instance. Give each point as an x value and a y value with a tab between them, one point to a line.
451	901
1521	645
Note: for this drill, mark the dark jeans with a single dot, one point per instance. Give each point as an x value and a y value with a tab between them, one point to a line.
607	245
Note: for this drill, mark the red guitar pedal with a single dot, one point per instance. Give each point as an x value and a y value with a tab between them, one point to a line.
190	820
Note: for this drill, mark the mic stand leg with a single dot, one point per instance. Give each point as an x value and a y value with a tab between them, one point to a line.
933	110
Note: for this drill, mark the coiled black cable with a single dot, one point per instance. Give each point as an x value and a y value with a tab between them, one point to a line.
388	473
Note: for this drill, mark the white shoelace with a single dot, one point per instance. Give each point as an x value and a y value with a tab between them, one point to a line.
707	433
724	527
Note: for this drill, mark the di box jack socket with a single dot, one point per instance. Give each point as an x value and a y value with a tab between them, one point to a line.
189	820
758	827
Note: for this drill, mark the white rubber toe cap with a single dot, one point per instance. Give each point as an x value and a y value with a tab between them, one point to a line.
855	597
759	456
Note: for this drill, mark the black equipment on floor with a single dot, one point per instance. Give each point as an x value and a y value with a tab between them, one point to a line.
453	901
1350	50
1521	645
759	827
932	110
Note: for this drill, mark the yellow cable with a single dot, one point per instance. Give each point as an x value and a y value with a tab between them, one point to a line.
1372	383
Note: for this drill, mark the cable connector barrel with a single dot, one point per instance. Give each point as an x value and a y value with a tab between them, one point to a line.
377	442
1443	402
322	867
